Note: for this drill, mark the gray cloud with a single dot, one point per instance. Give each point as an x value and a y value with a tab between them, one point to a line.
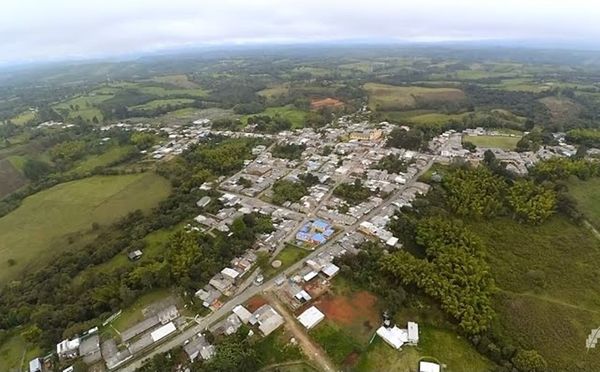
41	30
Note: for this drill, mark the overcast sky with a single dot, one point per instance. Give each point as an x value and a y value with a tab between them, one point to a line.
58	29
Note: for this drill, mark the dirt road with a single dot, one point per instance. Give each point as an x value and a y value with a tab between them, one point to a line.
310	349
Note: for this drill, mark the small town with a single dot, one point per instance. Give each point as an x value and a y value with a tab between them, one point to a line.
320	223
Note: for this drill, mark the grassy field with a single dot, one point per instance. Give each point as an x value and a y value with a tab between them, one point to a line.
287	256
133	313
15	354
180	81
155	243
162	103
523	85
587	194
23	117
295	116
275	91
456	353
383	97
161	91
548	287
110	156
45	222
435	118
501	142
11	178
84	106
338	343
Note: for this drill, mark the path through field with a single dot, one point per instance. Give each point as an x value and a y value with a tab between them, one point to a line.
312	351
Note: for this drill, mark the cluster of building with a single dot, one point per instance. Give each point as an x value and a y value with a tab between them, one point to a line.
225	282
450	143
265	319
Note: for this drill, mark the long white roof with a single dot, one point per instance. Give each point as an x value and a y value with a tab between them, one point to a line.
163	331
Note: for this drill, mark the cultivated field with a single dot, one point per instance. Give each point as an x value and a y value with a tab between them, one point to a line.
46	222
383	97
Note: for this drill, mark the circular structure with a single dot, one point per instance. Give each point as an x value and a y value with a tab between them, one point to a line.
276	264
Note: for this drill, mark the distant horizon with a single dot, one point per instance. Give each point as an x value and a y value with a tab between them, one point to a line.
61	30
546	45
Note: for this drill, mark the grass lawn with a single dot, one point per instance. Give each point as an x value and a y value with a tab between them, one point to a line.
162	103
110	156
451	350
384	97
548	287
501	142
14	350
288	256
587	194
41	226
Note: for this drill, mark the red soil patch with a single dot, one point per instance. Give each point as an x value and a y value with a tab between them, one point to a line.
351	359
254	303
319	103
358	308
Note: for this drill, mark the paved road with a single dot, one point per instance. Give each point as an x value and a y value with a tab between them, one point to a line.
205	322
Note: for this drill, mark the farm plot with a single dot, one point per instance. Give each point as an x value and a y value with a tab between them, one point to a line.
383	97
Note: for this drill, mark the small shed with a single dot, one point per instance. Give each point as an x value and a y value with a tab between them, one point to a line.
134	255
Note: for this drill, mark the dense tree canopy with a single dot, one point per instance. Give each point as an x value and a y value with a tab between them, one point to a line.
454	272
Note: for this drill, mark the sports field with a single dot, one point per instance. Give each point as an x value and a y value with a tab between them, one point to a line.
61	217
500	142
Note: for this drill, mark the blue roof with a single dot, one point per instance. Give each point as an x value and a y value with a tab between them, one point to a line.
321	225
319	238
303	236
328	232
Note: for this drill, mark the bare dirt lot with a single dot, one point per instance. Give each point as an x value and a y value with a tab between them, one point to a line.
316	104
358	312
